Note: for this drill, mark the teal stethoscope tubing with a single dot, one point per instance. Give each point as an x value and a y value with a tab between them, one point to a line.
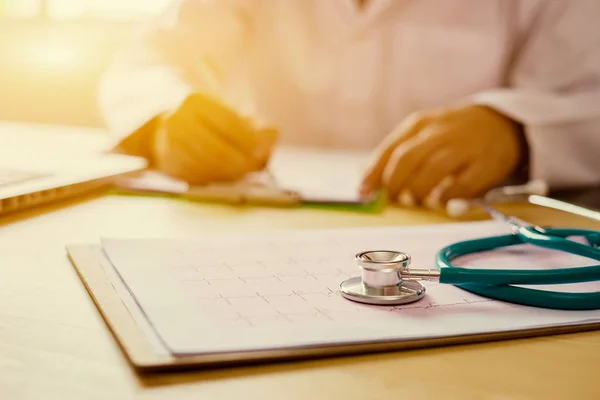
496	283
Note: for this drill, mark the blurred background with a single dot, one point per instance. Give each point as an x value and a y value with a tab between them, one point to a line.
52	53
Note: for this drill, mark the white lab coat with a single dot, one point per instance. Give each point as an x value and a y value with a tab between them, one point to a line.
329	74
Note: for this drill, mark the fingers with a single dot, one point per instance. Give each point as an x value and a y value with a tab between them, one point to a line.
452	152
197	155
268	137
374	172
169	157
205	141
407	159
444	162
433	200
227	162
238	132
471	182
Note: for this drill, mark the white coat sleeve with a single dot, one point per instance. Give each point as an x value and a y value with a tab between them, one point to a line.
183	50
553	90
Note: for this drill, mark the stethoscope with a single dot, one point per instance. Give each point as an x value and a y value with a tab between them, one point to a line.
387	279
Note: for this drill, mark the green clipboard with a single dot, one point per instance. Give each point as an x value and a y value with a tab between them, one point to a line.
374	206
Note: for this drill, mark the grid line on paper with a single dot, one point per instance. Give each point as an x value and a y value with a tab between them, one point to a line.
297	281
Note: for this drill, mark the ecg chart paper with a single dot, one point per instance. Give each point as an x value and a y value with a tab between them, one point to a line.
281	290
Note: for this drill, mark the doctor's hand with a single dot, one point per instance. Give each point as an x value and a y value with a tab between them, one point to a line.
443	154
204	141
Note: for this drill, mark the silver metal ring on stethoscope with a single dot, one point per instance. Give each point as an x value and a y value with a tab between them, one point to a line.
381	280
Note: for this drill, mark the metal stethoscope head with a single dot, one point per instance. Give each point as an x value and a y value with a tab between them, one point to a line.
386	279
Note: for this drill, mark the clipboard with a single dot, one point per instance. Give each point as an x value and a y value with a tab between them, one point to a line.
294	177
142	354
252	192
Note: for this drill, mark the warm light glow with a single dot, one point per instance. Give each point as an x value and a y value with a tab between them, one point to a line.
54	54
66	9
21	8
124	9
74	9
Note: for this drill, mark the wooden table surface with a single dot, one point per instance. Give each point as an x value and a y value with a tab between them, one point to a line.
55	345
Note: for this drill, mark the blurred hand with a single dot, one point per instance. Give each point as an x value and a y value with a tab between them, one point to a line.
204	141
443	154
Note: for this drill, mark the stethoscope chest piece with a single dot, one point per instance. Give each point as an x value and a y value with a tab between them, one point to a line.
381	280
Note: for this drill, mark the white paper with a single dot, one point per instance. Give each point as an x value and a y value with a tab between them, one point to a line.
320	175
134	309
280	290
315	175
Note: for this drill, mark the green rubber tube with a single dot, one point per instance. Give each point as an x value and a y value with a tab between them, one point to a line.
496	283
537	298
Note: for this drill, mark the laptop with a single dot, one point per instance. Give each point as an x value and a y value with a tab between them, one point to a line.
40	165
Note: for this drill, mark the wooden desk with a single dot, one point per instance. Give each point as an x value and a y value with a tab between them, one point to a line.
54	344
